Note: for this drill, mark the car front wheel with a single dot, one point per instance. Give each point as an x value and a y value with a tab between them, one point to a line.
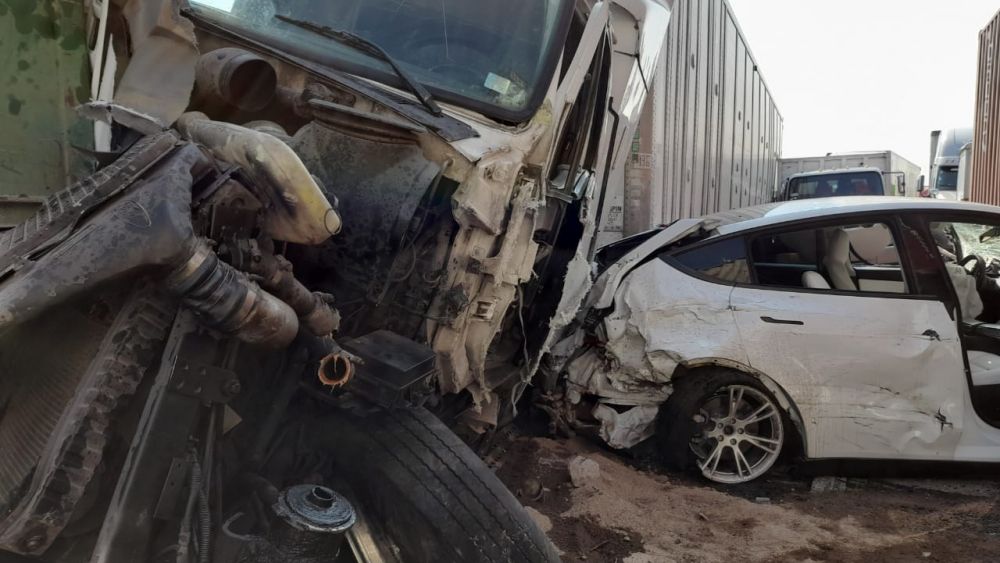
724	424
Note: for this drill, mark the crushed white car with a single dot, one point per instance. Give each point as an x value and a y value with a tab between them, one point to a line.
861	327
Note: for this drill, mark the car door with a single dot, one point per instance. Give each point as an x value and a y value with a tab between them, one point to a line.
874	373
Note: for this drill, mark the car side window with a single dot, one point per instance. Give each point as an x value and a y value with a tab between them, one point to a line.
860	257
724	260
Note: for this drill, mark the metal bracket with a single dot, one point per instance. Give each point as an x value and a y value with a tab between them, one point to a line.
177	478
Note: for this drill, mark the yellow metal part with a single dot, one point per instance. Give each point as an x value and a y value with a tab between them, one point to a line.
297	210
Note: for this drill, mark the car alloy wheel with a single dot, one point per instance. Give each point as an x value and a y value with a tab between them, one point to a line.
739	434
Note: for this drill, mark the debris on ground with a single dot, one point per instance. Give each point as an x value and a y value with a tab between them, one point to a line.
828	484
630	515
543	521
583	471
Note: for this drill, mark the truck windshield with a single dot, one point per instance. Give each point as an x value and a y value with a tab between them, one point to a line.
947	179
494	56
835	184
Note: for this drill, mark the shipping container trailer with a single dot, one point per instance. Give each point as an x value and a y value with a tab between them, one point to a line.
984	186
900	176
710	136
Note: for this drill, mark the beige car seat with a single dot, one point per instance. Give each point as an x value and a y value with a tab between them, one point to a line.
814	280
838	261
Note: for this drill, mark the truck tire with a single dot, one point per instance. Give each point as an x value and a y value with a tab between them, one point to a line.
419	486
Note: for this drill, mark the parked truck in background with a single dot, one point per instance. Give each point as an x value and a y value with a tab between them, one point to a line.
884	173
833	183
946	148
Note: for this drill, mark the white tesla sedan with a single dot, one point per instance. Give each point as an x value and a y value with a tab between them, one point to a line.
843	327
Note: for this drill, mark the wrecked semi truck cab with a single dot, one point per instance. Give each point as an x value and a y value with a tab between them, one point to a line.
471	159
302	215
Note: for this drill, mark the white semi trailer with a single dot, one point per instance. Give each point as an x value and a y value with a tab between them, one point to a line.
946	149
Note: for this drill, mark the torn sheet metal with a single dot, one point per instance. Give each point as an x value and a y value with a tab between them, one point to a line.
106	113
662	318
638	28
159	76
607	284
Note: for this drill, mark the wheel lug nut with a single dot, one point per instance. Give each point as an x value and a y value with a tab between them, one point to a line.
740	430
733	441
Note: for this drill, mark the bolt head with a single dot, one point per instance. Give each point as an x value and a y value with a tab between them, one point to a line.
232	387
739	430
733	441
33	543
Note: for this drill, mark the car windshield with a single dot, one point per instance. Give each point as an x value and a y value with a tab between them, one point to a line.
495	56
830	185
947	179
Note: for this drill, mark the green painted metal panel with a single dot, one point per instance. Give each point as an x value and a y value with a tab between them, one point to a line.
44	75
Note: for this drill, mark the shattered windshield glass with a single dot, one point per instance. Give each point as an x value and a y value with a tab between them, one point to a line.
494	56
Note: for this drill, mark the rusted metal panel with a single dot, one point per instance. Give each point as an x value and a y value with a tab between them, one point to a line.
985	186
710	135
45	74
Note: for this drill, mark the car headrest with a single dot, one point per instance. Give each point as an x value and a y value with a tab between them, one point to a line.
838	249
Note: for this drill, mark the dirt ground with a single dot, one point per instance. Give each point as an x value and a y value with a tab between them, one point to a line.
631	514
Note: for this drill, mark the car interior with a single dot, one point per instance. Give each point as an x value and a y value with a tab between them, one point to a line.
846	258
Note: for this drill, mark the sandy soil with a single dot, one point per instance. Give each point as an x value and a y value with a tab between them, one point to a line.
632	515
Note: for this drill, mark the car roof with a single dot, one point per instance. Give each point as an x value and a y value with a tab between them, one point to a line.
737	220
833	171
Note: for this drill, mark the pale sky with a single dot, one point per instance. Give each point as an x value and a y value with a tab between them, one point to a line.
857	75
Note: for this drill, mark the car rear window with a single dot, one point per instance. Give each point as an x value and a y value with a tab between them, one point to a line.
724	260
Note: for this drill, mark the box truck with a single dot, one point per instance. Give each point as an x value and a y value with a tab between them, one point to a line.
883	173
